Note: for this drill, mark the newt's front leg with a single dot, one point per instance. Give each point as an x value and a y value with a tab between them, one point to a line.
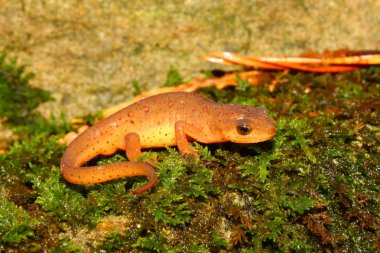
184	130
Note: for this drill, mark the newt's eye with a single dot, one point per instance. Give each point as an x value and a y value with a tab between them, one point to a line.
243	126
244	129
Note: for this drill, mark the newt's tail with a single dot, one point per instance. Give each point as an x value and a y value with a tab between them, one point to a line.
97	174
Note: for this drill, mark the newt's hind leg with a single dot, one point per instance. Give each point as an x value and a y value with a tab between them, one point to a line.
133	149
133	152
132	146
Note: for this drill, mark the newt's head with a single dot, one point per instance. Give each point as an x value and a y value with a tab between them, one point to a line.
247	124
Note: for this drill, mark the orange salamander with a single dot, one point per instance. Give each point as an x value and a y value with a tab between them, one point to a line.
159	121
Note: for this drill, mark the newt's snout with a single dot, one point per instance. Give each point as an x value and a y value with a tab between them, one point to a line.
264	124
270	129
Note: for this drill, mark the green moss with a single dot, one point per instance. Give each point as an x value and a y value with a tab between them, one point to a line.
53	194
30	159
16	225
112	242
136	87
152	243
17	98
173	77
66	246
219	242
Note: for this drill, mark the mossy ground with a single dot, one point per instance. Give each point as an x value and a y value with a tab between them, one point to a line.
314	187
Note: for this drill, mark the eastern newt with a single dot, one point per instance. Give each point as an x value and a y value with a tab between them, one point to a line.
163	120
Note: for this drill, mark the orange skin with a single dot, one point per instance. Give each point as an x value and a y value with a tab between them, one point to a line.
159	121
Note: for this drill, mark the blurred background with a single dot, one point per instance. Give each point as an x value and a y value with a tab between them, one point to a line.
88	53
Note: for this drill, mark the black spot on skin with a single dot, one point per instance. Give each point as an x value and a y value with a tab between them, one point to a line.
132	122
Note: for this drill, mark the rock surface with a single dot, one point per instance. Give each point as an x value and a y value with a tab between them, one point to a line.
87	53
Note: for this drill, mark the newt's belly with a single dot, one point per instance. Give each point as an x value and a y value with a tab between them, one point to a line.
158	136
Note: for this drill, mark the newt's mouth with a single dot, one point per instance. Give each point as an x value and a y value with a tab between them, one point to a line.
271	131
267	133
